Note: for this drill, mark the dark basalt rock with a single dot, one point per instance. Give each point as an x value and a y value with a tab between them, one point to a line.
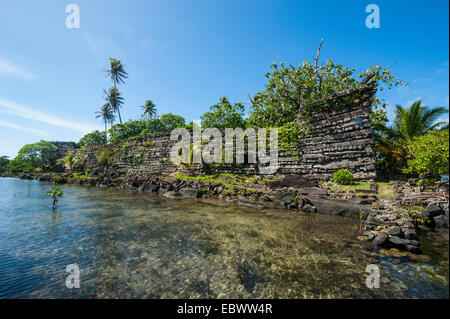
188	192
285	199
413	249
380	238
409	233
433	210
45	178
309	209
397	242
394	231
172	194
441	221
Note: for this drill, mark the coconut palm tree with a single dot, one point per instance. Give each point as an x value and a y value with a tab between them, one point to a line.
117	73
149	108
112	96
417	120
409	123
107	114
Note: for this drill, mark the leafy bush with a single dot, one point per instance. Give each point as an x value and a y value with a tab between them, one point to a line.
429	154
56	193
343	176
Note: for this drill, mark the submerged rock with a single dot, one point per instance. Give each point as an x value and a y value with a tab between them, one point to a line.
188	192
441	221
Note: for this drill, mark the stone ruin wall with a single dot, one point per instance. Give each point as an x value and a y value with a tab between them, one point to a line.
337	139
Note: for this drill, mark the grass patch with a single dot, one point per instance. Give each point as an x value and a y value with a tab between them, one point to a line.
385	190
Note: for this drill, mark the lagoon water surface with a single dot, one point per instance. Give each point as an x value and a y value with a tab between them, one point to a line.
130	245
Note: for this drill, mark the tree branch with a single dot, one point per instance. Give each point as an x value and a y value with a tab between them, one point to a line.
317	57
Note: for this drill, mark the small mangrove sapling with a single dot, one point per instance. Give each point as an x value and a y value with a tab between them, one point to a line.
56	193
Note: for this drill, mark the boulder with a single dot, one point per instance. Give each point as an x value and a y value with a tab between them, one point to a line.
433	210
397	242
380	238
413	249
45	178
172	194
285	199
394	231
309	209
188	192
409	233
441	221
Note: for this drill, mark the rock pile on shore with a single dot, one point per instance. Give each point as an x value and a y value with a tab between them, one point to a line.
397	223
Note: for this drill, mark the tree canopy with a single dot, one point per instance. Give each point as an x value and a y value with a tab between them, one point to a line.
224	115
93	138
31	156
4	162
293	91
429	154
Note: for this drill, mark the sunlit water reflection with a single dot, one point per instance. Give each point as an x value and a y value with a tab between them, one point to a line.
130	245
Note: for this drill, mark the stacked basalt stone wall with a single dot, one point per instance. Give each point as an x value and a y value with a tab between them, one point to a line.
337	139
64	148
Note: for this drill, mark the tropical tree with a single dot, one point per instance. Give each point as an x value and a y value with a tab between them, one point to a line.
114	99
149	109
107	114
172	121
428	155
117	74
416	121
56	193
224	115
122	132
31	156
4	161
93	138
298	91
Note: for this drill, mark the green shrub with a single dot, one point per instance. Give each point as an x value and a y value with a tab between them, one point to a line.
428	154
105	158
343	176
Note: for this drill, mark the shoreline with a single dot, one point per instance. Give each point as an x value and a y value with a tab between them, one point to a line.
384	222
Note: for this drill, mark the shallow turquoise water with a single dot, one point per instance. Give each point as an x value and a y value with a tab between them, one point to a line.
130	245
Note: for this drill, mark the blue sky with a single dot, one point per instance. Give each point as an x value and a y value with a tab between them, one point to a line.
184	55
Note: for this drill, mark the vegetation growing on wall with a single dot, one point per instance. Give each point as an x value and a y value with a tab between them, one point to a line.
106	158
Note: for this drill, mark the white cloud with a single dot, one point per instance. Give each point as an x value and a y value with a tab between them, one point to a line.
8	68
26	129
410	102
12	108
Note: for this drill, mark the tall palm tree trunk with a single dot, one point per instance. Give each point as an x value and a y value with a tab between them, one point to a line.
118	108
